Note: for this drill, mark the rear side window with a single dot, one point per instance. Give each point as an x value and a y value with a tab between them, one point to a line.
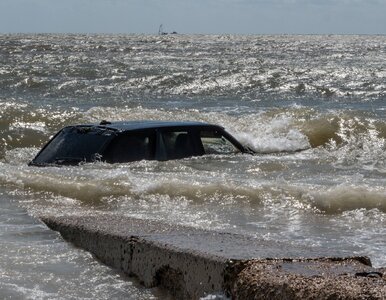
73	145
131	146
178	144
181	144
215	143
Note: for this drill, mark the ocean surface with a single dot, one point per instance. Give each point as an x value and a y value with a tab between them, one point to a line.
312	107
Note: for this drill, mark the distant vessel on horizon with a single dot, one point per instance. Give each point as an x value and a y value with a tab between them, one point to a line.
162	32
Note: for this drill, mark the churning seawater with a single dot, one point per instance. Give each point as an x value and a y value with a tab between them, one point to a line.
312	107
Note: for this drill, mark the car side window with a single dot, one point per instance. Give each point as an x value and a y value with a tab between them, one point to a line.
215	143
132	146
178	144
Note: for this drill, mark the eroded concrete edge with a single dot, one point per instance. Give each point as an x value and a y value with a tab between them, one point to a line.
186	274
321	278
189	274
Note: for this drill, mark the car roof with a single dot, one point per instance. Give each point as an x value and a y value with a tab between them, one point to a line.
150	124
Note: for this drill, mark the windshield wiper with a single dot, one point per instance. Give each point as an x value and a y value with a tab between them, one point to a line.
249	150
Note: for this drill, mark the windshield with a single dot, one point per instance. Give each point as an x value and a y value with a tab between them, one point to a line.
73	145
215	143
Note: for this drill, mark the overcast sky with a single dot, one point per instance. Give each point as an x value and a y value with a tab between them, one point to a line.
194	16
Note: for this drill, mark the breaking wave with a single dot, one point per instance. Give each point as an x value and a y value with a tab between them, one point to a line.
189	181
347	198
346	135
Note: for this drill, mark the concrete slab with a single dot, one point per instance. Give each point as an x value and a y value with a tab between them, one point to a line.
192	262
208	243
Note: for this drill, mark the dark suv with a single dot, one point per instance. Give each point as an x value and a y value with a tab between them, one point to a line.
120	142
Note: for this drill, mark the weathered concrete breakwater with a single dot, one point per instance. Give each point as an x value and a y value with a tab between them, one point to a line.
191	262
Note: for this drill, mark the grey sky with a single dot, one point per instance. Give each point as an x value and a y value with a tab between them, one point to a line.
194	16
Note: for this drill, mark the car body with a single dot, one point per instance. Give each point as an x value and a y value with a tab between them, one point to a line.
127	141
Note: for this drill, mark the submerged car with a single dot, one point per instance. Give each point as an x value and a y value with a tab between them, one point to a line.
127	141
